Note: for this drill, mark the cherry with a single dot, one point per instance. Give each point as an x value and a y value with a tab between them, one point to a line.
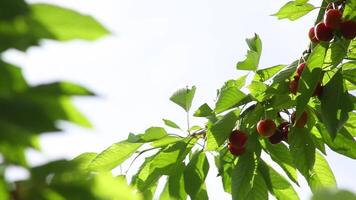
238	139
323	33
301	121
348	29
266	127
300	69
280	134
332	18
293	85
312	36
235	151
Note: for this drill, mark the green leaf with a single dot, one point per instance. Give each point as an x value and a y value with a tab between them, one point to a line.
4	190
57	89
229	96
335	104
277	184
286	73
258	90
224	163
153	133
343	143
220	130
240	82
282	156
174	188
336	52
10	9
164	163
66	24
11	79
195	174
165	141
267	73
203	111
170	123
302	150
333	194
253	54
294	10
321	175
184	97
113	156
259	190
243	175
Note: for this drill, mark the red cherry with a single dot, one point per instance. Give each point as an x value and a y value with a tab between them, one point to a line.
266	127
235	151
332	18
312	36
323	33
276	138
238	139
348	29
293	85
301	121
300	69
284	129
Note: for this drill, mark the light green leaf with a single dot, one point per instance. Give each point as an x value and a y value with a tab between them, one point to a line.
170	123
294	10
333	194
203	111
153	133
321	176
267	73
60	89
195	174
253	54
165	141
229	96
113	156
66	24
174	188
285	73
258	90
259	190
336	52
184	97
220	130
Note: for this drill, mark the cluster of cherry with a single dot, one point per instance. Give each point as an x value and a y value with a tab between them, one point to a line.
332	24
265	128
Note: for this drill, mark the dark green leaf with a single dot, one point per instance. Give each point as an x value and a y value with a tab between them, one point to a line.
333	194
174	188
9	9
336	52
335	104
195	174
253	54
286	73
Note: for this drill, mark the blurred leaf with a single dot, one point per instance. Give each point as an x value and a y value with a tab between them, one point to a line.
321	175
294	10
59	89
4	190
253	54
335	104
11	79
66	24
9	9
184	97
332	194
170	123
195	174
229	96
220	130
113	156
203	111
277	184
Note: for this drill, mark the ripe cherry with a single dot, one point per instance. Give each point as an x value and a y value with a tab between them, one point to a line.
301	121
293	85
266	127
348	29
235	151
300	69
284	129
332	18
323	33
238	139
312	36
280	134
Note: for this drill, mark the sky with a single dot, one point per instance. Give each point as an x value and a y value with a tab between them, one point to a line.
157	47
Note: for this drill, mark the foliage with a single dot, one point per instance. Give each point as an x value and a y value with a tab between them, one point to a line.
27	111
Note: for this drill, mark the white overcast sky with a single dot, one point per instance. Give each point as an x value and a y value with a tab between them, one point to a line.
158	46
